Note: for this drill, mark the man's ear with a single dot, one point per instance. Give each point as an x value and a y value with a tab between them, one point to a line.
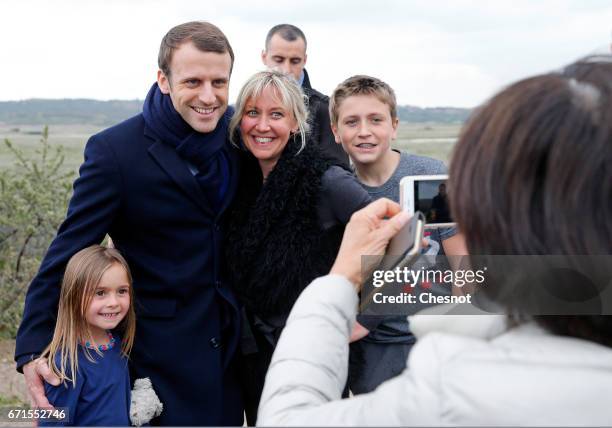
305	57
264	56
163	82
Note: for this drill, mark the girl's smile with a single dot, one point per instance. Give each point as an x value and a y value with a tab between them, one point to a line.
110	302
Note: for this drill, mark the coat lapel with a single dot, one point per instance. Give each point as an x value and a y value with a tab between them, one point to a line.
177	169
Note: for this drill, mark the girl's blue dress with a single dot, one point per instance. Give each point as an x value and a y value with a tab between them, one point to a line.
102	393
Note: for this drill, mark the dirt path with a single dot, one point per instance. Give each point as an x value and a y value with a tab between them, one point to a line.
12	385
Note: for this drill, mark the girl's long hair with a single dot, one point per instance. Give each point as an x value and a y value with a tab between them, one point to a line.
83	274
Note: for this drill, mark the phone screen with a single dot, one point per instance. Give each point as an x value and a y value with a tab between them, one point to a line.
431	199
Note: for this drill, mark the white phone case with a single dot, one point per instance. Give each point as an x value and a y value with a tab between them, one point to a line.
407	201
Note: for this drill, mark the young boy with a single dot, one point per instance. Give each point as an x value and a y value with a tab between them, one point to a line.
364	120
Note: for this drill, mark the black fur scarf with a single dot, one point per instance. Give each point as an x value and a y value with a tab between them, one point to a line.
275	245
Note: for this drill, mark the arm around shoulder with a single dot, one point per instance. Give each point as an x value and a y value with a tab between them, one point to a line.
66	396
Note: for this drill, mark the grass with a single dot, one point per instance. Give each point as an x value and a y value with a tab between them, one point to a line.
427	139
436	150
422	131
71	137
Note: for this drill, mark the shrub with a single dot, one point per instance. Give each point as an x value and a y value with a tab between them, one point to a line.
33	199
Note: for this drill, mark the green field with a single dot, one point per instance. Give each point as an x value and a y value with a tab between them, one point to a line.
435	140
71	137
428	139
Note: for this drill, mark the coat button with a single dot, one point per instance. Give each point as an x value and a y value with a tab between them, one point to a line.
214	343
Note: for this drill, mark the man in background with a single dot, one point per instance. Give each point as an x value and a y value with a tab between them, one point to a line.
285	50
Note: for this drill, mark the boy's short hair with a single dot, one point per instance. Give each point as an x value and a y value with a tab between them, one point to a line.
362	85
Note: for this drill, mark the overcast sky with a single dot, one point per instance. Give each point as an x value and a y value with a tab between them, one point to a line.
433	53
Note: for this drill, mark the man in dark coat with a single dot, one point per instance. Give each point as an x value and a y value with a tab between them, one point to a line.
158	184
286	50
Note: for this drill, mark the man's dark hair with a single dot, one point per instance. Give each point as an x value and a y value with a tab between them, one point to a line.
531	175
287	31
204	35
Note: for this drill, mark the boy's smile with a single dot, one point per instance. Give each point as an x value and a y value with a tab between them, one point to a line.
366	147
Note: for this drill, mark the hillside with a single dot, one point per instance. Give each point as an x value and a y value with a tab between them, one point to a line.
106	113
449	115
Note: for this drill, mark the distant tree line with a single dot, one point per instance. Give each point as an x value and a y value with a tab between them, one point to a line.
67	112
106	113
411	114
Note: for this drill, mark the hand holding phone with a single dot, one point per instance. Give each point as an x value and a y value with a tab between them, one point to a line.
403	250
406	245
367	234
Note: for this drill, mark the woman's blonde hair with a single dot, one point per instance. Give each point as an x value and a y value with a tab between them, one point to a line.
289	92
83	274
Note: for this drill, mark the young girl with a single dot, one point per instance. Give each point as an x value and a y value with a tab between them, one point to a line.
91	361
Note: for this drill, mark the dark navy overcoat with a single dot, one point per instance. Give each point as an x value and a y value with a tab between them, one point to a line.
138	190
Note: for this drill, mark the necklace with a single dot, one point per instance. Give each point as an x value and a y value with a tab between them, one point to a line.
109	346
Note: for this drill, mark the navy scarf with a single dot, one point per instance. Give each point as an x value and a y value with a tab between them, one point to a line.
209	152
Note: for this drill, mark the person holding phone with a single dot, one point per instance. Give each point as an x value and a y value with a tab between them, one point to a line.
546	141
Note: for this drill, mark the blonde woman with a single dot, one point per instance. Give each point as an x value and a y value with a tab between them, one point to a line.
288	217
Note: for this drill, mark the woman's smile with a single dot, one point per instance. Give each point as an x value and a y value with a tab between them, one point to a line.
266	127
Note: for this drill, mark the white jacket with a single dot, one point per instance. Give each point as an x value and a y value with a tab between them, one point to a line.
520	376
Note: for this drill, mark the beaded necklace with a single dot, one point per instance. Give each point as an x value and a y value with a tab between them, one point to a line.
107	347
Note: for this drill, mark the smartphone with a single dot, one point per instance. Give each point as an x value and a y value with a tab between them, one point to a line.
427	193
403	250
406	245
